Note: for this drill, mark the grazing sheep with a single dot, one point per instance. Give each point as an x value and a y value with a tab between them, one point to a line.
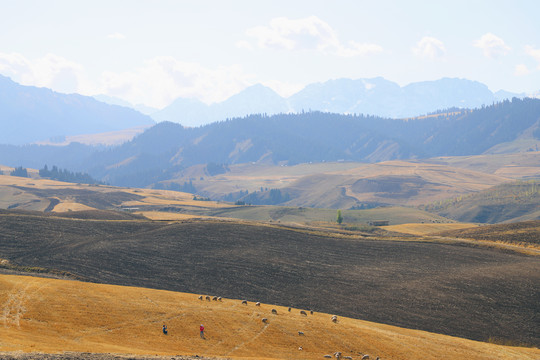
200	297
328	356
301	333
208	298
244	302
300	348
347	357
274	311
365	357
219	298
264	320
337	354
334	318
214	298
257	304
302	312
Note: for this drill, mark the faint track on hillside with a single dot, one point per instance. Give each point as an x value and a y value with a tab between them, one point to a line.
13	309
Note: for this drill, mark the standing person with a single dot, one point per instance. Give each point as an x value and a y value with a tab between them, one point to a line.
165	329
202	331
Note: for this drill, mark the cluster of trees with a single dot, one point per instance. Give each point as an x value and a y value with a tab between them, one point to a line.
186	187
19	171
65	175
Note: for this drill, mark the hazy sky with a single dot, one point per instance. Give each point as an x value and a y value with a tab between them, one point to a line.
152	52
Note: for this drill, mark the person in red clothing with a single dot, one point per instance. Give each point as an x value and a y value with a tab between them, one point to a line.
202	331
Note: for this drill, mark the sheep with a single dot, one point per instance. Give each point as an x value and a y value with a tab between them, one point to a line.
200	297
347	357
365	357
219	298
208	298
300	348
264	320
214	298
328	356
301	333
257	304
302	312
244	302
311	312
274	311
337	354
334	318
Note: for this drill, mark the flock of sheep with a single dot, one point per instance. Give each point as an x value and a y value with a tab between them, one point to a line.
334	319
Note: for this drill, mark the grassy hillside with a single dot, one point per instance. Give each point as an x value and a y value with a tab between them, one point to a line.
525	233
340	185
46	315
509	202
455	289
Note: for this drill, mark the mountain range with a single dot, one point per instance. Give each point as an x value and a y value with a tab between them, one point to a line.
30	114
376	96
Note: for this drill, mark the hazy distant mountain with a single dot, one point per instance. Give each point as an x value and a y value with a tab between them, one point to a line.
375	96
31	114
256	99
111	100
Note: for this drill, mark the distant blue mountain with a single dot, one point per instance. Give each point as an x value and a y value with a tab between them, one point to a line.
256	99
29	114
376	96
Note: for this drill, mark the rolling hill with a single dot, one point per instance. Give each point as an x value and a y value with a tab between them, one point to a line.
454	288
127	320
504	203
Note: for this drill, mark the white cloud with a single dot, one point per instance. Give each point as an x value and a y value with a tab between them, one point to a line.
50	71
309	33
430	48
157	83
162	79
535	53
116	36
492	46
521	70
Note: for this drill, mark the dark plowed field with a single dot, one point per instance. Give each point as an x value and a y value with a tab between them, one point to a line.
458	290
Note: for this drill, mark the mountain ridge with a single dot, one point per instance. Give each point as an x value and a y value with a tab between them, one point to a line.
369	96
31	114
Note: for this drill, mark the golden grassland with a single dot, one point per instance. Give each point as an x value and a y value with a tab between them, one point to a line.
426	229
10	195
51	316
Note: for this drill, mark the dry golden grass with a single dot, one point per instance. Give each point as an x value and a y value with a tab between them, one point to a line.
48	315
11	196
426	229
165	216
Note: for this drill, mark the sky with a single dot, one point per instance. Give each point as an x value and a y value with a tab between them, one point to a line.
152	52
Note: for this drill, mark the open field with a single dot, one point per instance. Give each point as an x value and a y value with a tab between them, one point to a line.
49	315
451	288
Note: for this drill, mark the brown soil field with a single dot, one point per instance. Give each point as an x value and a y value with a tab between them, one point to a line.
451	288
80	320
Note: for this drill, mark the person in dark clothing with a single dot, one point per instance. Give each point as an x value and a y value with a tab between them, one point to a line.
202	331
165	329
